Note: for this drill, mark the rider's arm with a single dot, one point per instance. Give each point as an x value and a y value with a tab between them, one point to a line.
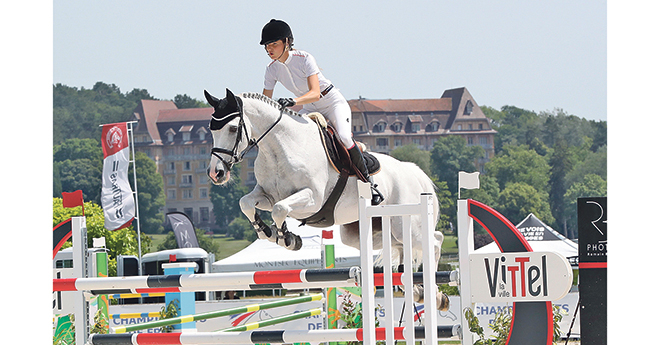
268	93
314	93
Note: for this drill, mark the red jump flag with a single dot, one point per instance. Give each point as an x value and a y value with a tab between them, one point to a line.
73	199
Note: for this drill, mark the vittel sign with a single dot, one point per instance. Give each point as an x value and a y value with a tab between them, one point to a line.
519	277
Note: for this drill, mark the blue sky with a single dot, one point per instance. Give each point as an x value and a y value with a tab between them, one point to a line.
532	54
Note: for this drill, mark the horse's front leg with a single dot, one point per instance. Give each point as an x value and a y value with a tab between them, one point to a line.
249	203
300	200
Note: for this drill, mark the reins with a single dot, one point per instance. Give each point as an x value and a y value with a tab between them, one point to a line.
252	143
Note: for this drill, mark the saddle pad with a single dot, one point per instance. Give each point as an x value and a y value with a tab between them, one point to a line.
338	154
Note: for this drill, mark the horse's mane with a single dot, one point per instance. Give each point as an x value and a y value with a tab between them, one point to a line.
269	101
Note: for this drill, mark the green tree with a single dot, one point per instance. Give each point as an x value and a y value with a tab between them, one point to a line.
591	163
184	101
592	186
450	155
118	242
412	153
519	199
561	162
151	197
205	242
519	164
78	164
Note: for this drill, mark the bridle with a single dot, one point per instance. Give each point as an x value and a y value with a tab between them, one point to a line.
237	157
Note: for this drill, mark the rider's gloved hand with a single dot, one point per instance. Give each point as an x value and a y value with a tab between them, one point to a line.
286	102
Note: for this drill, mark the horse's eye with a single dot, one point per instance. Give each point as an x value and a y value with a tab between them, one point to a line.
233	129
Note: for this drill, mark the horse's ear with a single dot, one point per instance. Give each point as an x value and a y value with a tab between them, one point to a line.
212	100
231	100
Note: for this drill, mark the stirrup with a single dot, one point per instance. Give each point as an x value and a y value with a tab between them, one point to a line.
376	196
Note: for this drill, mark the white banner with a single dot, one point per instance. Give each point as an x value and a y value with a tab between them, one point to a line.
116	194
519	277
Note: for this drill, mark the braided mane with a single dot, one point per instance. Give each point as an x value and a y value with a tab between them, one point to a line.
269	101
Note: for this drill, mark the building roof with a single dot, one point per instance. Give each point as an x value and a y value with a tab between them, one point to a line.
454	105
151	109
189	114
400	105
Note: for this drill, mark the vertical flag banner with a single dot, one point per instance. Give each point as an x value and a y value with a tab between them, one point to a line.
184	231
116	194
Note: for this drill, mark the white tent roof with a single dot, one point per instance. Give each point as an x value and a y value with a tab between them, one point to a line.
263	255
541	238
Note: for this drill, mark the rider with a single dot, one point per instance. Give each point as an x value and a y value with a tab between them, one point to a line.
298	72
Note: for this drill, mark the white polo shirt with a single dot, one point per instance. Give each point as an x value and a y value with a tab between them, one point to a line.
293	73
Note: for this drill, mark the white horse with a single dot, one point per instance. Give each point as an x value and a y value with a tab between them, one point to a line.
295	178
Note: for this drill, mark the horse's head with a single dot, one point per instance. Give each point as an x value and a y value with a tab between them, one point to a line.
230	135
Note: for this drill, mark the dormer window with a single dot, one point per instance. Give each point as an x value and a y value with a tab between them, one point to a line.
468	108
185	131
397	126
170	134
433	126
380	127
202	133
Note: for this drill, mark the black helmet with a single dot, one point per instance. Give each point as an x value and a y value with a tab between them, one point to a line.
275	30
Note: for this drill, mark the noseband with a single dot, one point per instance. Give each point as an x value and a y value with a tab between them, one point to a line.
217	124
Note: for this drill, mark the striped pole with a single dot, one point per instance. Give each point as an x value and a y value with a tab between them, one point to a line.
259	337
332	313
136	295
274	321
220	313
208	281
135	315
442	277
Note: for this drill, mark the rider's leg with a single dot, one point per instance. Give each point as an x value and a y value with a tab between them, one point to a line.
339	115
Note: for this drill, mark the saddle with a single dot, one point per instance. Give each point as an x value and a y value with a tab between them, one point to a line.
340	160
338	154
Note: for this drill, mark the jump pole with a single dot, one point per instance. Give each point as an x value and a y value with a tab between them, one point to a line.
261	337
215	314
209	281
274	321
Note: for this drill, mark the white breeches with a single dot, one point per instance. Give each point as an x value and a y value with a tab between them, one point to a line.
335	108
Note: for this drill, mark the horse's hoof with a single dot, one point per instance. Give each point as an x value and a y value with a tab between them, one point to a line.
442	301
290	241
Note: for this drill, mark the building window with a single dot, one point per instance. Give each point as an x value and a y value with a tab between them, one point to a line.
171	180
470	141
433	126
189	212
187	194
380	127
202	133
186	136
398	142
481	126
396	127
415	127
483	141
468	108
186	166
186	179
204	215
382	142
203	193
417	141
171	194
171	166
170	134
